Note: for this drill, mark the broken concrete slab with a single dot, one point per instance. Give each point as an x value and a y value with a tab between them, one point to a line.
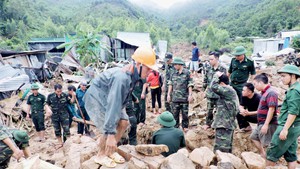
202	156
119	166
177	161
151	149
253	160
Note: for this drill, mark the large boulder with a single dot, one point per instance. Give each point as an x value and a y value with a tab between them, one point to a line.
177	161
202	156
253	160
135	163
90	164
184	151
151	149
196	138
229	161
128	152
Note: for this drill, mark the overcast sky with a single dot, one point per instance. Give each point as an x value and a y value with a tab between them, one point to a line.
160	3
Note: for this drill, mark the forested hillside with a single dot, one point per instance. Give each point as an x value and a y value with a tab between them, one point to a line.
213	23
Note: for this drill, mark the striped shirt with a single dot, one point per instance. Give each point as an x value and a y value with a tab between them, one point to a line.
268	99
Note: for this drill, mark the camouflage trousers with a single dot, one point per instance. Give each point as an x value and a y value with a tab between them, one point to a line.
61	120
38	121
184	109
167	104
223	140
211	104
133	124
5	155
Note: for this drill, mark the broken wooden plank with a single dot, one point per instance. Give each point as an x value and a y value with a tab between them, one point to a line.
81	121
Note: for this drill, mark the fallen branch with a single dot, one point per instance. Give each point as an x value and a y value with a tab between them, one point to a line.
81	121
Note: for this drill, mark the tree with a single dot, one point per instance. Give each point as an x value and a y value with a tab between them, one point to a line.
296	43
88	46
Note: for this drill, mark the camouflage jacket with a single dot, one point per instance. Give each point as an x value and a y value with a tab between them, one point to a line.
181	83
168	73
4	132
207	80
227	105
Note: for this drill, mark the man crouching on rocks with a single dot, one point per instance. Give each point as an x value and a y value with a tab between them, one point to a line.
227	108
106	99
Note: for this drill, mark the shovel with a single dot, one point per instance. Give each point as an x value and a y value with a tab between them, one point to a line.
90	133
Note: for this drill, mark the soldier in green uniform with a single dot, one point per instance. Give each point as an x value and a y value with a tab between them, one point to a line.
58	101
36	103
211	97
239	70
284	141
169	70
180	85
227	109
13	143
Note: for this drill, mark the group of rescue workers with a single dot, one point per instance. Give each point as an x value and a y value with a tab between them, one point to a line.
115	102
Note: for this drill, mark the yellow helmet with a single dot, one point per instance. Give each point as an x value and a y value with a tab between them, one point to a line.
145	56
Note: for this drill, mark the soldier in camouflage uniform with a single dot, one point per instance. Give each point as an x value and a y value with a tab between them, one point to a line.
13	143
58	101
169	70
227	108
211	97
36	103
180	85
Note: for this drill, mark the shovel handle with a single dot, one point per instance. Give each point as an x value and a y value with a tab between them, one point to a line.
81	112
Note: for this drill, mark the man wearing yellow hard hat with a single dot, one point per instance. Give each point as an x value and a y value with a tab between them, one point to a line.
106	99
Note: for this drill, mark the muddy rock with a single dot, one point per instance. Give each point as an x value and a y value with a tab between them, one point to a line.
119	166
90	164
253	160
177	161
135	163
202	156
198	137
228	160
277	167
151	149
184	151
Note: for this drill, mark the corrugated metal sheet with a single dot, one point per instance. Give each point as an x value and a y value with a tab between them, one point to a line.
135	38
11	79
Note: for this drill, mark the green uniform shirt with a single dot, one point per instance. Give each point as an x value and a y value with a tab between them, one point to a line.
240	70
168	73
37	103
227	105
291	105
181	83
58	104
170	136
208	78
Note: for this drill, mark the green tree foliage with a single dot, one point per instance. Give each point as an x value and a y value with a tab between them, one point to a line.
87	45
296	43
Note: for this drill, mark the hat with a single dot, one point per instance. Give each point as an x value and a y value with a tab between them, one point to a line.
21	136
239	50
166	119
168	56
83	83
178	60
291	69
34	86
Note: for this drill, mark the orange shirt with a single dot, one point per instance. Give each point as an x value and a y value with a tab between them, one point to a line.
153	80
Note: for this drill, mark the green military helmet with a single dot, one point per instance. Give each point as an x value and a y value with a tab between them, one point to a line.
34	86
291	69
178	60
166	119
21	136
239	50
